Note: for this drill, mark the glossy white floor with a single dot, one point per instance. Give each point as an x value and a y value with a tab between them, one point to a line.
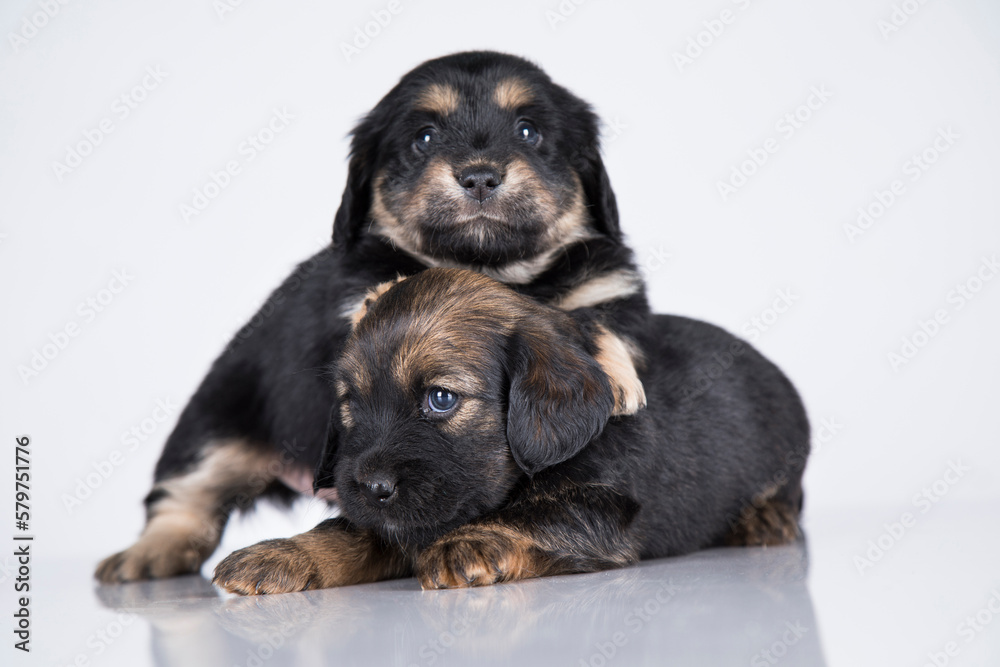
929	590
876	216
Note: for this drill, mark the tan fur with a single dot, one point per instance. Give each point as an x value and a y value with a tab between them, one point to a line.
345	415
470	414
618	360
182	530
438	98
372	295
604	288
480	554
397	221
329	555
512	93
765	523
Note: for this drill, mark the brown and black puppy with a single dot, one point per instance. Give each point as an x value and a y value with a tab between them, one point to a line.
472	444
475	160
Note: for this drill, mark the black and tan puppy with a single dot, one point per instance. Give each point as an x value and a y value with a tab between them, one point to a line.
472	445
475	160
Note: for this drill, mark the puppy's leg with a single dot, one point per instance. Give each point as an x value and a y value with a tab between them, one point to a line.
334	553
770	519
614	296
576	528
618	360
186	512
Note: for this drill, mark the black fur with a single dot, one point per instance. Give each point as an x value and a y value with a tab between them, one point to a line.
490	491
724	432
269	389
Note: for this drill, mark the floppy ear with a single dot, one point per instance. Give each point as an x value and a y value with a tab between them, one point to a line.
600	197
356	204
559	399
360	309
323	478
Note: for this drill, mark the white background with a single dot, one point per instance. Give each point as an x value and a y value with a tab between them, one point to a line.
672	133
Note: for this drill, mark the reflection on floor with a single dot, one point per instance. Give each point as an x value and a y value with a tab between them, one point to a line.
720	607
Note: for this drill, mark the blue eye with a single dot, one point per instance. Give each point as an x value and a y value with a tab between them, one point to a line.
424	138
528	133
441	400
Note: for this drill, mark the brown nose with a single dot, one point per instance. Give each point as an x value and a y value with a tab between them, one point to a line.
480	181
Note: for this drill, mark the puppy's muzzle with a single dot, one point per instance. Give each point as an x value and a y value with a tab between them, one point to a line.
379	489
480	181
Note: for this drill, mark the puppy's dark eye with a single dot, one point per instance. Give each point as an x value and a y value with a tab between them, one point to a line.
424	138
440	399
528	133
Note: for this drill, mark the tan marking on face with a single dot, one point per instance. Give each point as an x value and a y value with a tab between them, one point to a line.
357	371
389	225
512	93
464	384
616	359
472	415
345	415
601	289
438	98
437	182
445	326
572	224
397	220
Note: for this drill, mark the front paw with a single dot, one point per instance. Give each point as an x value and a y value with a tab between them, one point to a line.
167	548
273	566
478	556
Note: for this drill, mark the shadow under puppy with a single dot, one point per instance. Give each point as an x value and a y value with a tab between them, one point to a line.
473	445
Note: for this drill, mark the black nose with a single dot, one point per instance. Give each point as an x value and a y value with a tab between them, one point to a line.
378	489
480	181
